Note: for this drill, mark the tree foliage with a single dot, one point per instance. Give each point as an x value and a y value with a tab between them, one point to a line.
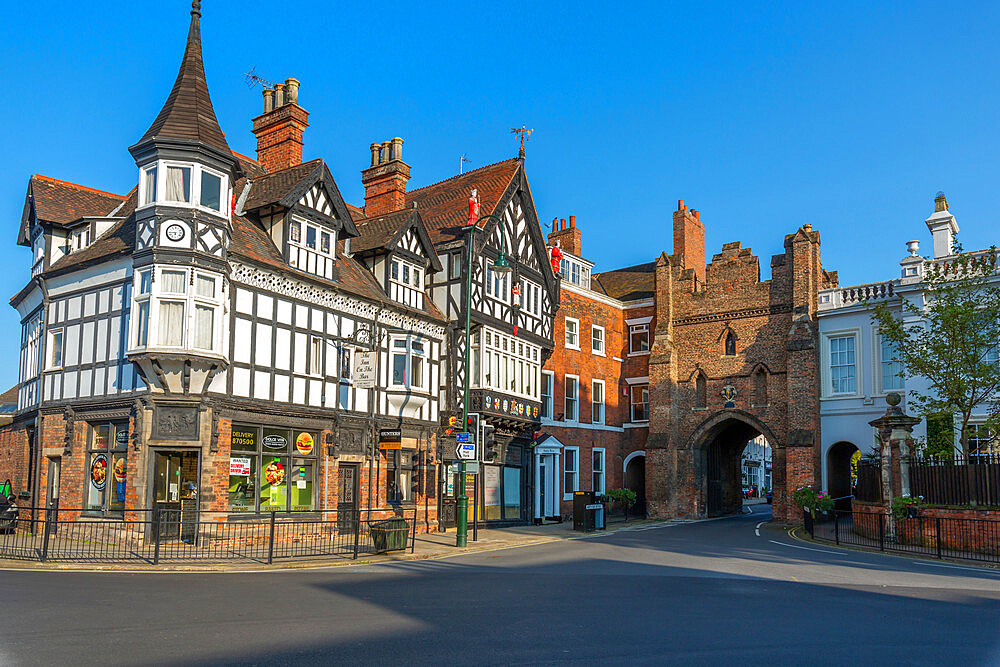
948	335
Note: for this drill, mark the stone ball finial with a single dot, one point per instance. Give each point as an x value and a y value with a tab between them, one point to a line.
893	398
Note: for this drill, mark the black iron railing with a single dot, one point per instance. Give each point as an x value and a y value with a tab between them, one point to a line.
163	535
938	537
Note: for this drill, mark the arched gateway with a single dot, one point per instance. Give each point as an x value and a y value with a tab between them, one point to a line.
733	357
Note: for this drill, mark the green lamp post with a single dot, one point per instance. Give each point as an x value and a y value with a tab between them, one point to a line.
501	266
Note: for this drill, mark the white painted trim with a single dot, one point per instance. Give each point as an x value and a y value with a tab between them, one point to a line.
568	494
577	397
604	400
641	452
825	377
604	340
566	344
645	303
638	380
635	425
591	294
604	470
639	320
582	425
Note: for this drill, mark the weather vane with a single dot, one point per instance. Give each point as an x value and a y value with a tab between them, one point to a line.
525	135
254	80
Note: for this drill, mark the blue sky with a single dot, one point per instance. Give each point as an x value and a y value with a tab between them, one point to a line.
764	116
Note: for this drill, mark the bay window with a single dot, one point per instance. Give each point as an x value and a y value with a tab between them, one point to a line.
508	364
177	308
183	184
408	364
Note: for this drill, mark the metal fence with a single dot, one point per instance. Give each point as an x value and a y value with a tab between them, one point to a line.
960	480
939	537
160	536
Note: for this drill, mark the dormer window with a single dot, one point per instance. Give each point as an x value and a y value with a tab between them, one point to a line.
406	282
575	271
311	247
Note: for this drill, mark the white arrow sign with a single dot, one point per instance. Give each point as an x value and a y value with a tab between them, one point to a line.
466	450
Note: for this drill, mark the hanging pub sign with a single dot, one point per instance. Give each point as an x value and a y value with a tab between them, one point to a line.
99	471
304	443
390	438
364	370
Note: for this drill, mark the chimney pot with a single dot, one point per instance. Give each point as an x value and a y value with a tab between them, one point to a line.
572	221
386	151
680	205
268	99
555	224
291	91
562	223
279	95
397	148
694	212
375	151
940	202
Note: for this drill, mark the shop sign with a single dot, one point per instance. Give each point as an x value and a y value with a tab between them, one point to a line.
390	438
244	438
121	438
510	406
239	466
273	441
99	471
364	370
304	443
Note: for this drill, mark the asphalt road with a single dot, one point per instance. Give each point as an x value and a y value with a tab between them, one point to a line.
702	593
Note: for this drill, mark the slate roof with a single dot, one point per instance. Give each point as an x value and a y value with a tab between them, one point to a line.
444	207
188	113
628	284
377	232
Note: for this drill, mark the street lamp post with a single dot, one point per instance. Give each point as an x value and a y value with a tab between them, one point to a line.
500	266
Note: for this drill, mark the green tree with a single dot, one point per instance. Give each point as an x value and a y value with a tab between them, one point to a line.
954	347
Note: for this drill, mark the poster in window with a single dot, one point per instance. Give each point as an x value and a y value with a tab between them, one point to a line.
244	439
121	438
304	443
275	439
99	471
274	473
120	470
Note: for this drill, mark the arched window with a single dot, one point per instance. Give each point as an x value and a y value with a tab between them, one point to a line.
730	344
759	387
700	391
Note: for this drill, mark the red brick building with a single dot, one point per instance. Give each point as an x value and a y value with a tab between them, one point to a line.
699	360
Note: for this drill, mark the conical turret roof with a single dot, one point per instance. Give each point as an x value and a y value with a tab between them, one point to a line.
188	114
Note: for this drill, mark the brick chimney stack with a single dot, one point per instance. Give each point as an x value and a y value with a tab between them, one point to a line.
689	239
279	129
569	238
385	179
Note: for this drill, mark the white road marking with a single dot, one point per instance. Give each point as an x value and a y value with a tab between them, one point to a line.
981	570
795	546
757	528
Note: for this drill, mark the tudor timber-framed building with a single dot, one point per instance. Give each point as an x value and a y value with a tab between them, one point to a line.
192	343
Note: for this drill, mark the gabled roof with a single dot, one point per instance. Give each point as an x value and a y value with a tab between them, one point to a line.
286	187
443	206
118	240
188	114
387	230
252	242
60	202
628	284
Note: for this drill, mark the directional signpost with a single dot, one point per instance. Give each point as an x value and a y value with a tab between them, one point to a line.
466	451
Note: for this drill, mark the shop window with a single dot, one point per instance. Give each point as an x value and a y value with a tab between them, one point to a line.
272	469
399	479
107	453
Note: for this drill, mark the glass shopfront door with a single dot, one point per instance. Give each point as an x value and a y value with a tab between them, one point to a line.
175	492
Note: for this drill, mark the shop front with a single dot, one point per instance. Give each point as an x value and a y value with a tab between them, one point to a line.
273	469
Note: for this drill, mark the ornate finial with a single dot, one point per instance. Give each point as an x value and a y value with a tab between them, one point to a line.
195	7
893	399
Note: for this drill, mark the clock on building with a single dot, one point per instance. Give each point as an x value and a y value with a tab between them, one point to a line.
175	232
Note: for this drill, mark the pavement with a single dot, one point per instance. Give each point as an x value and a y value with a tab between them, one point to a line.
721	591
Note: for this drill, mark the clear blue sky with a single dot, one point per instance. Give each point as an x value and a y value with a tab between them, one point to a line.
762	116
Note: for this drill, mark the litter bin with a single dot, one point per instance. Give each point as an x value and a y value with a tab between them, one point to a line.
389	534
588	514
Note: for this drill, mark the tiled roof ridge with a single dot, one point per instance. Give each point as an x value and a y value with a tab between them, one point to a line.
625	268
462	175
241	156
281	171
79	187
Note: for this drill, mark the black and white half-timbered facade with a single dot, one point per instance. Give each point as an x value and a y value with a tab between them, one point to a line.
211	342
406	234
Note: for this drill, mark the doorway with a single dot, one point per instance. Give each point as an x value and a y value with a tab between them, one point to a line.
347	497
635	480
175	493
841	473
723	467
